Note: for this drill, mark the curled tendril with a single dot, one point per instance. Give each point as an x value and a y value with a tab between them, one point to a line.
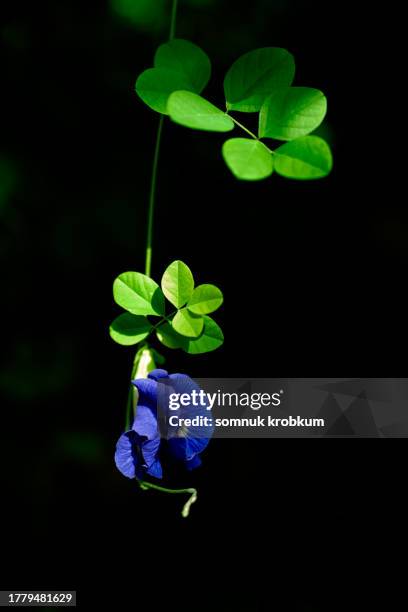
144	485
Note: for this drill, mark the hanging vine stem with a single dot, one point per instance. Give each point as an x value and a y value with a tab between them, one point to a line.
156	155
149	239
144	485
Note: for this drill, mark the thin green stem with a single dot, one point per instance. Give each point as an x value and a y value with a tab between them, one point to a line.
173	20
129	408
243	127
164	319
129	404
191	500
249	132
153	184
152	198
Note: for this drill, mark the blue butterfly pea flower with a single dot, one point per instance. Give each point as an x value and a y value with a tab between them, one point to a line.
138	450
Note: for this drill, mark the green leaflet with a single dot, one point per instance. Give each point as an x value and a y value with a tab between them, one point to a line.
128	329
177	283
210	339
308	157
205	299
187	323
247	159
170	338
291	112
138	294
178	64
195	112
155	85
187	59
255	75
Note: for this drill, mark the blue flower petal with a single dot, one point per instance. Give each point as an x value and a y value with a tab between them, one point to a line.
125	457
147	389
193	463
148	439
182	383
150	451
155	469
158	373
195	446
135	456
145	423
187	450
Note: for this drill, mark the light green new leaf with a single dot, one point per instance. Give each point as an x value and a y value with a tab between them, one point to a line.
205	299
255	75
128	329
195	112
308	157
177	283
247	159
170	338
187	323
292	112
210	339
138	294
144	362
187	59
155	85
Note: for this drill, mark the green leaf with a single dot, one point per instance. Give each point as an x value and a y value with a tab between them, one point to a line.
205	299
292	112
177	283
138	294
308	157
195	112
128	329
188	60
255	75
210	339
247	159
170	338
178	65
188	324
155	85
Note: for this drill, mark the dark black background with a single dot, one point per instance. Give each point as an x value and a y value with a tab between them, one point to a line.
314	279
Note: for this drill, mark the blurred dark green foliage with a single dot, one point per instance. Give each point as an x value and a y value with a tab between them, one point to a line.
148	15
